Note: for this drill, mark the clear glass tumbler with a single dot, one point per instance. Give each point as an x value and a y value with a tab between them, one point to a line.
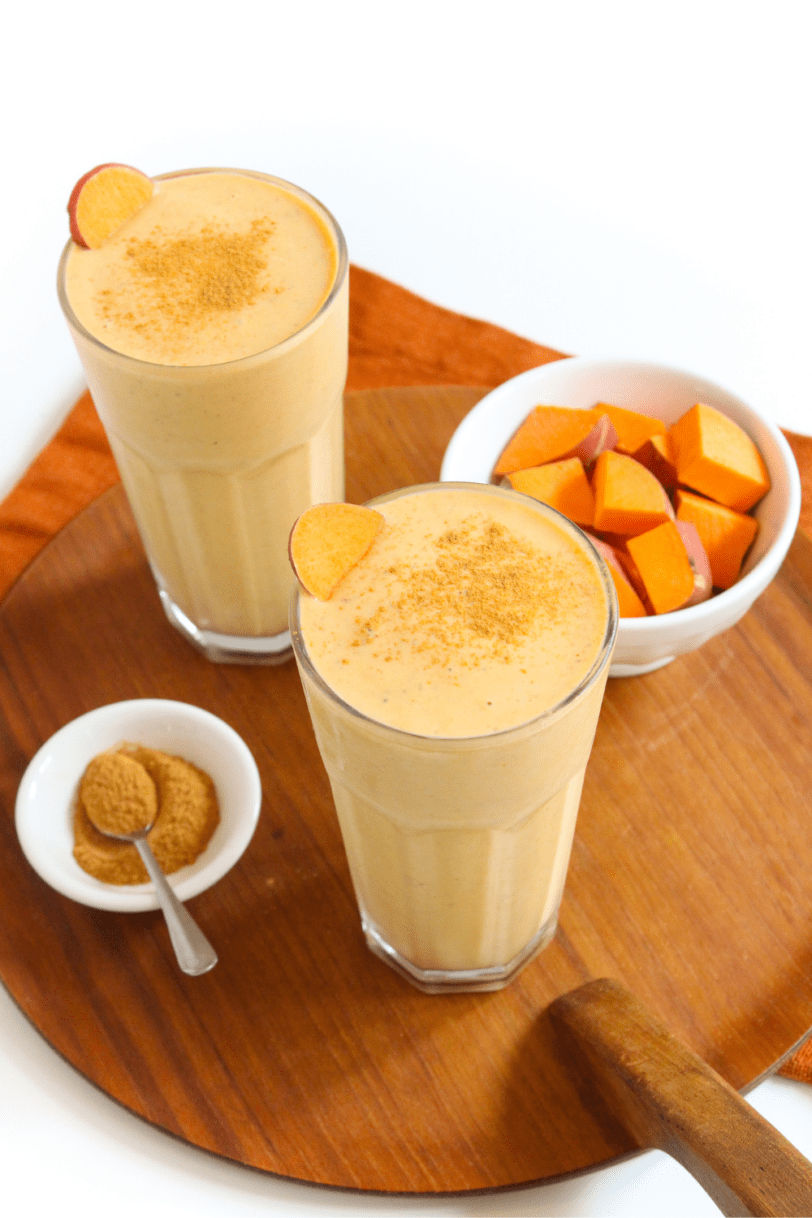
459	848
219	460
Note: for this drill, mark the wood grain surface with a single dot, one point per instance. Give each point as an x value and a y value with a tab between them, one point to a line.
301	1053
668	1098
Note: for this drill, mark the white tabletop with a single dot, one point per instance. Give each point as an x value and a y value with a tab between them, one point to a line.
619	179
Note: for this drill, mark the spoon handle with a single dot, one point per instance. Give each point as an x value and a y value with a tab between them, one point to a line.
194	952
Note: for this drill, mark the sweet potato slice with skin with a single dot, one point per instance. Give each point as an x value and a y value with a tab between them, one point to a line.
628	498
629	603
665	568
103	200
555	433
657	454
633	428
717	458
725	533
562	484
327	541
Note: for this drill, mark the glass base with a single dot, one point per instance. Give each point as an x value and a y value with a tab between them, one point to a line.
228	648
458	981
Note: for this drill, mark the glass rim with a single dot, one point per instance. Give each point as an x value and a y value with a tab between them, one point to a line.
587	681
341	273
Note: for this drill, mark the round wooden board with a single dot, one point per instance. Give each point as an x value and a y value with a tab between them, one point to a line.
302	1054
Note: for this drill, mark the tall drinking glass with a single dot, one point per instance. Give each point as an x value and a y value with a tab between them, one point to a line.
219	457
458	846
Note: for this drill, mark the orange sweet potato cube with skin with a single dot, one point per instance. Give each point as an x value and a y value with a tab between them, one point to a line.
562	484
628	498
657	454
662	560
725	533
633	428
617	541
632	574
698	558
554	433
717	458
629	603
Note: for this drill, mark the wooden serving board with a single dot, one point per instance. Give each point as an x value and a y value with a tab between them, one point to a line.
301	1053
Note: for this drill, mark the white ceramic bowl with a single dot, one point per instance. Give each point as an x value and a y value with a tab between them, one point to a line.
644	644
46	795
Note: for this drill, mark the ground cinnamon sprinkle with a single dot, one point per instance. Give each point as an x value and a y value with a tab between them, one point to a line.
485	587
189	280
118	788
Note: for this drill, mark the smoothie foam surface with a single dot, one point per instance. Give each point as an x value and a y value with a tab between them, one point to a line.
471	614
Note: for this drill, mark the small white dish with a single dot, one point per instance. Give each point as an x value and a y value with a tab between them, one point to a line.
644	644
46	795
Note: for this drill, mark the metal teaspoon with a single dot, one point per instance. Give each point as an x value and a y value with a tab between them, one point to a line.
194	953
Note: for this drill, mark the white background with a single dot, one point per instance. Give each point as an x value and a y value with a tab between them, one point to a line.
605	178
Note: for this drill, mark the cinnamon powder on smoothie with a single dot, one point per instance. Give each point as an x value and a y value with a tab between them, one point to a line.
124	790
188	280
485	588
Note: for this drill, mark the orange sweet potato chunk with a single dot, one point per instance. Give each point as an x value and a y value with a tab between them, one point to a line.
562	484
552	433
662	560
717	458
628	498
629	603
725	533
632	427
657	454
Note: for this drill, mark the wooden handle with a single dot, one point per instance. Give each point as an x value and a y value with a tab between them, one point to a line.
668	1098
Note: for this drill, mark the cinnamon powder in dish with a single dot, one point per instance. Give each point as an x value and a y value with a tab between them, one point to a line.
186	813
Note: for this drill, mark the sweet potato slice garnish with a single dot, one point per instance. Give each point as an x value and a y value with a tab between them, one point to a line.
103	200
327	541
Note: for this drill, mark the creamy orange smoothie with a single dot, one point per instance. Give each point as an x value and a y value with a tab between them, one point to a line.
454	679
212	328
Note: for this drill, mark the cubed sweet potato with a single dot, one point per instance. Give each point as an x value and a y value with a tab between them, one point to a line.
562	484
554	433
657	454
664	566
725	533
629	603
633	428
628	498
717	458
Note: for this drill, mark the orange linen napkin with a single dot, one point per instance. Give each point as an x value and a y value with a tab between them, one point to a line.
396	338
